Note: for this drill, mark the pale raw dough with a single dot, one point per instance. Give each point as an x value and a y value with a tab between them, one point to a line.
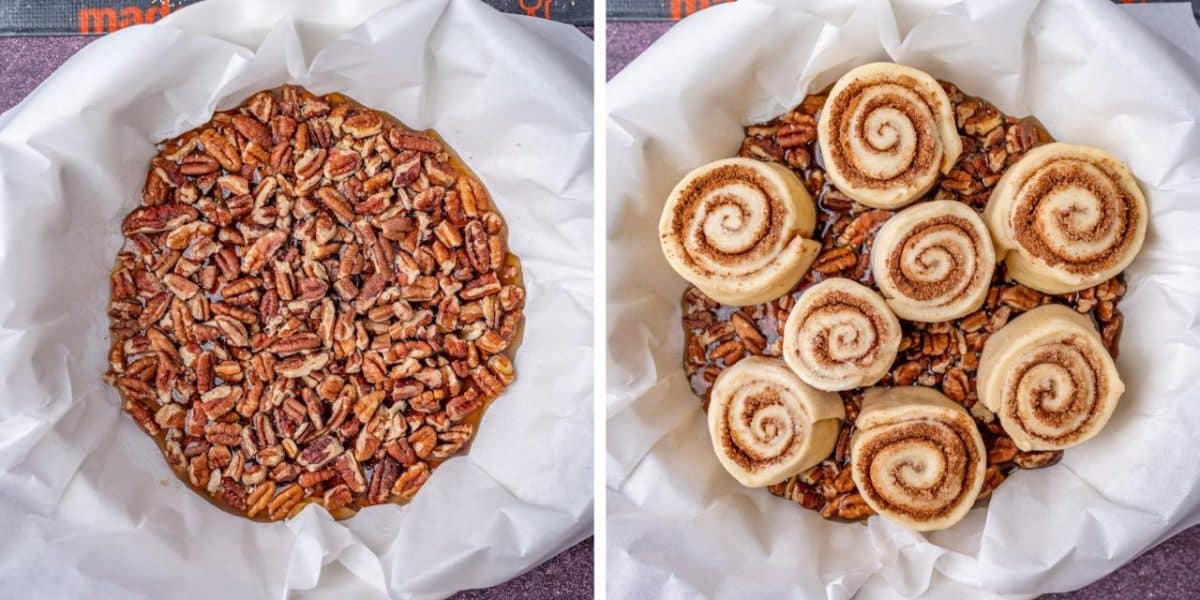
1048	377
886	133
739	230
767	425
917	457
1070	236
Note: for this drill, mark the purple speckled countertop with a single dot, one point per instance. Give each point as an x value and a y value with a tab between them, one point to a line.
1165	572
26	61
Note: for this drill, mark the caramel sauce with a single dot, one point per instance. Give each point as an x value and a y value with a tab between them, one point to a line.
511	274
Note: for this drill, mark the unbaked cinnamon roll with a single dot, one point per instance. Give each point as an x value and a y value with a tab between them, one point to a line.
933	261
767	425
1066	217
738	228
840	335
1048	377
885	133
917	457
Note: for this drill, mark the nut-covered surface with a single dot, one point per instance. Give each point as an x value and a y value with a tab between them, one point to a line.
314	304
940	355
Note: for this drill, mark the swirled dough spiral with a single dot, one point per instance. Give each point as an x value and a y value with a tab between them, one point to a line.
1049	378
767	425
840	335
1066	217
737	229
886	132
934	261
917	457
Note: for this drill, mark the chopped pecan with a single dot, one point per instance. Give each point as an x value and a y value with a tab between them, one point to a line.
382	480
410	481
283	502
337	497
261	251
363	124
233	493
319	453
253	129
348	469
228	434
153	219
310	293
408	140
422	441
484	285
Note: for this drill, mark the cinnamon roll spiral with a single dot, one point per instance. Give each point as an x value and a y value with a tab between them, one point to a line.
767	425
1048	377
840	335
737	229
917	457
934	261
885	133
1066	217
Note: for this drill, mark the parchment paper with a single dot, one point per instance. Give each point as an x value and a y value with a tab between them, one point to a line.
88	507
678	525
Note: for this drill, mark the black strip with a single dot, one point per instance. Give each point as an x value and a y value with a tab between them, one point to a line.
95	17
671	10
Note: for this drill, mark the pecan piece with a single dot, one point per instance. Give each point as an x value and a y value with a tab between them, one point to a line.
384	478
303	365
336	203
408	140
501	366
259	498
233	494
296	343
219	401
310	479
1021	298
216	146
422	441
363	124
341	164
478	247
832	261
1037	460
484	285
227	434
319	453
410	481
752	339
852	507
261	251
170	416
348	469
154	219
459	407
198	471
337	497
400	450
1003	450
253	129
283	502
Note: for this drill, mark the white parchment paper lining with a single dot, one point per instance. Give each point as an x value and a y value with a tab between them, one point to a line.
89	508
679	526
